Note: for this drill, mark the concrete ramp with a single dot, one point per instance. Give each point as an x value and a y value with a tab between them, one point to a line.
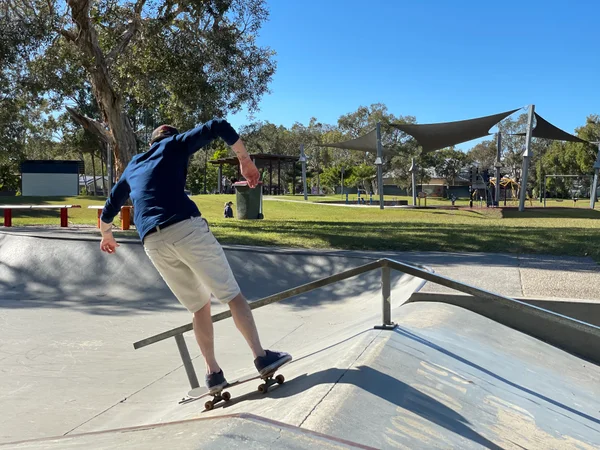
445	377
237	431
449	378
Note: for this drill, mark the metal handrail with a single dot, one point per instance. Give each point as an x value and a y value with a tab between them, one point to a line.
483	294
386	266
284	295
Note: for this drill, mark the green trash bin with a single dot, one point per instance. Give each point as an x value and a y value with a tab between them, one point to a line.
248	201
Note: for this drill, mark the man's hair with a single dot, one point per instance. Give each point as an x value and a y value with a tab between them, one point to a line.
162	132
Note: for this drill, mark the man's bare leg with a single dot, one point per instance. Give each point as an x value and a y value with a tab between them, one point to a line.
203	329
244	321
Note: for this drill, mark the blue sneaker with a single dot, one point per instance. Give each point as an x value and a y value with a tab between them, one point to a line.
271	361
215	381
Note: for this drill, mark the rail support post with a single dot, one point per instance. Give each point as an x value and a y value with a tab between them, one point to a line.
187	361
386	294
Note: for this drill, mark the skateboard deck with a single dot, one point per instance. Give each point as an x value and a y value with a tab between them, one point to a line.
269	380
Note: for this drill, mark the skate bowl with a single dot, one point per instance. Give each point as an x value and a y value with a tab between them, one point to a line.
444	372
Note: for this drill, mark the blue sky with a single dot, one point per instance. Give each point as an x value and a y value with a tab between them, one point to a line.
438	60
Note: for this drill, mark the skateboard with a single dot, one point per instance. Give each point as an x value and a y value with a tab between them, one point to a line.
222	395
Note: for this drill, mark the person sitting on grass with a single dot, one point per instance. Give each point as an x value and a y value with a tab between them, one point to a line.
228	213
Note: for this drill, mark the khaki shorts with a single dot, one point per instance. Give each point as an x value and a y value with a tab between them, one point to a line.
192	263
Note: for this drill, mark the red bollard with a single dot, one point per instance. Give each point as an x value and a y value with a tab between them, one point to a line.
99	214
8	217
64	217
125	217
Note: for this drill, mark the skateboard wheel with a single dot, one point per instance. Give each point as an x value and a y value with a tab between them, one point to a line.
226	396
209	405
262	388
280	379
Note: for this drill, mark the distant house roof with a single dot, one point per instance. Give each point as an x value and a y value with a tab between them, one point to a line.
51	166
88	179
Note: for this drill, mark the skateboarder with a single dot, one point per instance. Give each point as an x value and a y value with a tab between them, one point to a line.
178	240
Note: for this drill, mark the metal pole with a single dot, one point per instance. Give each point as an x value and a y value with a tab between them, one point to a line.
109	167
187	361
205	167
595	182
220	181
526	157
379	162
545	181
413	171
498	166
270	177
303	160
278	177
386	296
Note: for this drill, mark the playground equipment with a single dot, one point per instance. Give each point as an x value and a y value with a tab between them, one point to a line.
483	189
577	187
507	185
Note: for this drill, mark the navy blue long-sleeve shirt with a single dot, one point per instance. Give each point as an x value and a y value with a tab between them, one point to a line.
155	180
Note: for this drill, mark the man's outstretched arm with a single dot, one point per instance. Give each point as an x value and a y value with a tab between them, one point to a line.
114	202
204	134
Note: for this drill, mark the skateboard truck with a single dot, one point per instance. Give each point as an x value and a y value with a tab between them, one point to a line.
270	381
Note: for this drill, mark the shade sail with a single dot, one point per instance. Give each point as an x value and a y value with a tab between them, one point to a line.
436	136
544	129
366	143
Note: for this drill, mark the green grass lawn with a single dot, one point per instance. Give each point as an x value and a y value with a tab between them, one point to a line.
557	230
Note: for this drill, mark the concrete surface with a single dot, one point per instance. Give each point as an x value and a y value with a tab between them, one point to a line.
69	315
238	431
445	378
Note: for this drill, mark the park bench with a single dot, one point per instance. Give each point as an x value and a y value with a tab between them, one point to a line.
125	215
64	216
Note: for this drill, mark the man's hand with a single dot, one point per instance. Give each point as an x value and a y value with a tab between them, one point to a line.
247	167
108	244
250	172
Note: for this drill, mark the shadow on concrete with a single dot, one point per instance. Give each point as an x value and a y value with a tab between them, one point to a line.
36	273
383	386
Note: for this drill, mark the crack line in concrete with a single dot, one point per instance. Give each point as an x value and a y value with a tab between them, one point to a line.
122	401
341	376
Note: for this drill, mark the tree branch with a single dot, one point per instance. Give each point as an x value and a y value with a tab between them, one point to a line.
127	36
170	15
91	125
68	34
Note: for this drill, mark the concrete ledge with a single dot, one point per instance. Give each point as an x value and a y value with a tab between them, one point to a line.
576	335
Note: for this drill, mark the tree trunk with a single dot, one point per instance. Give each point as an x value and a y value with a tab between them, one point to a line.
121	135
84	176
